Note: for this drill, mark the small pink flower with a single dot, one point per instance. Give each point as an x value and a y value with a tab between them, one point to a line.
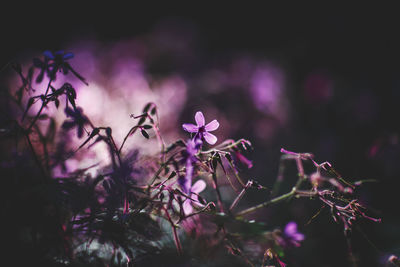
201	129
198	187
291	237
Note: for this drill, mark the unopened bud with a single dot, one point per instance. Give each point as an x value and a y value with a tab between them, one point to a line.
348	190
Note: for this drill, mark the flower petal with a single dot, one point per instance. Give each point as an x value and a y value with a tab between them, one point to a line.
59	52
291	229
199	117
48	54
191	128
198	186
187	207
210	138
298	237
68	56
212	126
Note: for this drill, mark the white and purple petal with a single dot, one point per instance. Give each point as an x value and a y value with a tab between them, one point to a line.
210	138
212	126
191	128
48	54
68	56
298	237
187	207
198	186
290	228
199	117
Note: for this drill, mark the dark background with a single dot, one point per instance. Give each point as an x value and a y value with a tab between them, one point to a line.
357	45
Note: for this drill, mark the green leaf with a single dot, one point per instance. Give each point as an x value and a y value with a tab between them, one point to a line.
145	134
57	102
142	120
228	157
173	173
93	134
147	107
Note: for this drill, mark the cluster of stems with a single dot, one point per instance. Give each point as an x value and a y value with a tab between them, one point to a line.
161	196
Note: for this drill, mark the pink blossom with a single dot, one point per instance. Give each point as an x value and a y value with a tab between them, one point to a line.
201	129
291	237
198	187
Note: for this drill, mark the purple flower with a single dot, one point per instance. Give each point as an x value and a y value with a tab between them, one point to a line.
60	60
58	56
53	62
198	187
201	129
189	158
290	236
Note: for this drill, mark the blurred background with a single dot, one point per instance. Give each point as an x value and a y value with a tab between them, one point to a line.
305	78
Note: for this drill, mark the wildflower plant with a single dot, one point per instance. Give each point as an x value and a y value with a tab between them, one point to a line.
168	203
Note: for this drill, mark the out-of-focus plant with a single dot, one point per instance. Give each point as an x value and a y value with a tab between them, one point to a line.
146	209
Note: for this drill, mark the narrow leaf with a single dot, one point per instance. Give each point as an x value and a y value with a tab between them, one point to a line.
145	134
93	134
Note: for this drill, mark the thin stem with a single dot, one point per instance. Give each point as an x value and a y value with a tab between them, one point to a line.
175	233
268	203
236	174
197	212
219	198
44	103
131	131
352	258
45	150
279	180
36	157
240	196
220	147
162	166
116	150
231	183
